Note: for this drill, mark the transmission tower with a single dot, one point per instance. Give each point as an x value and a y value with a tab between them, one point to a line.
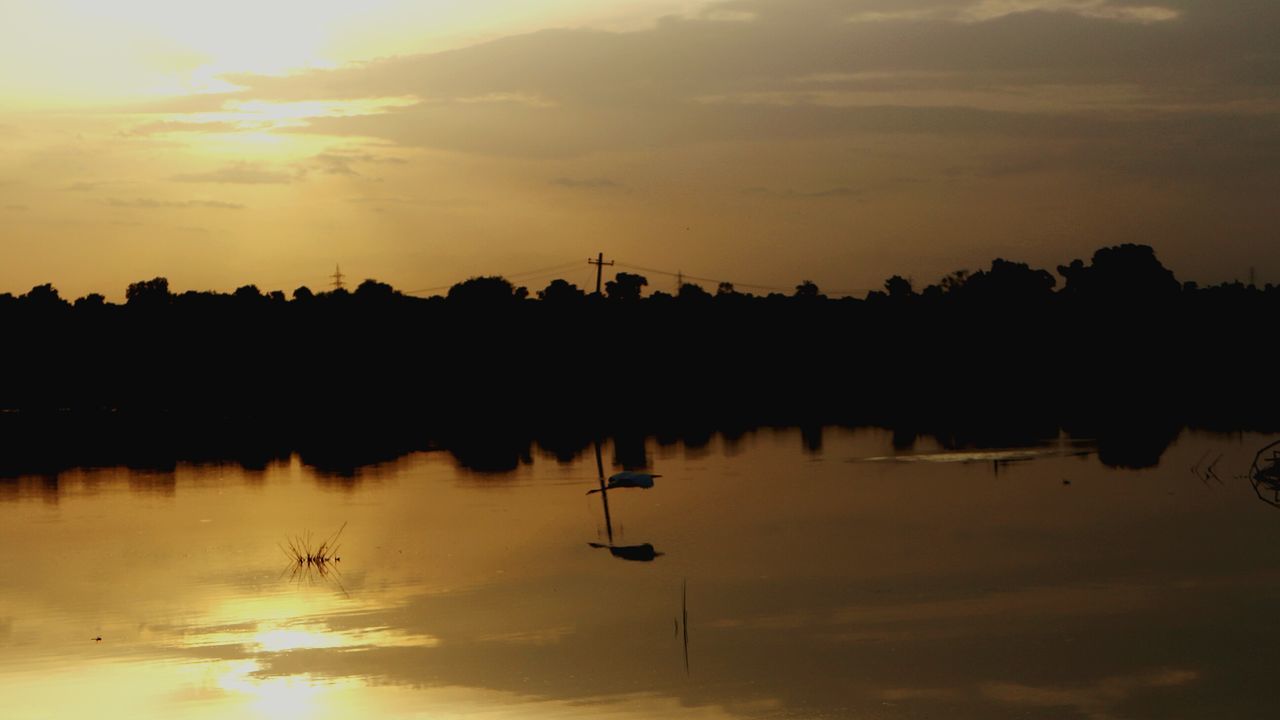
337	277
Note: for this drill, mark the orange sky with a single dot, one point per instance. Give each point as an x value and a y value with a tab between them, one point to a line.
756	141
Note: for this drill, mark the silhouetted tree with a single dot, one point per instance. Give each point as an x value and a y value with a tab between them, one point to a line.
248	293
898	287
726	288
43	298
690	292
372	290
807	289
1121	272
152	293
303	294
482	291
90	301
625	286
560	291
1010	281
954	281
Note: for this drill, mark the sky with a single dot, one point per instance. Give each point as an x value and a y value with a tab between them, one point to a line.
761	142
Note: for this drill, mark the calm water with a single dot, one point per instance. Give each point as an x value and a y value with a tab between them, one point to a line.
815	583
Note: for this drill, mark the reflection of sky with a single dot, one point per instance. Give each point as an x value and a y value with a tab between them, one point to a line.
817	586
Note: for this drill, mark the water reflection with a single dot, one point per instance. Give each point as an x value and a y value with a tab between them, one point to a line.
635	553
821	587
626	479
1265	473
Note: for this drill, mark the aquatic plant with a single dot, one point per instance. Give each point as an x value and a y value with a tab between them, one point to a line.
300	550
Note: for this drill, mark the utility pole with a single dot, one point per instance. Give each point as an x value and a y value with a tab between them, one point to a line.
604	494
1253	276
337	277
679	280
599	263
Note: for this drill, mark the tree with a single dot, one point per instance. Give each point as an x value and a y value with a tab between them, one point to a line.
807	289
482	291
151	293
44	297
726	288
1010	281
1123	272
954	281
248	293
560	291
92	300
691	292
372	290
898	287
303	294
625	286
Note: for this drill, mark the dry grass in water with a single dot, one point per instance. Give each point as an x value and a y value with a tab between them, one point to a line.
300	549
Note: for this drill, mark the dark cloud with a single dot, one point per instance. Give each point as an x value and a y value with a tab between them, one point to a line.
153	204
238	174
1088	72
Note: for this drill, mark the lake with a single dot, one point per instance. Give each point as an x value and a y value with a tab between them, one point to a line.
777	574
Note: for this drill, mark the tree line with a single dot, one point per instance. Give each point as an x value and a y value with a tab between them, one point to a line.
1120	345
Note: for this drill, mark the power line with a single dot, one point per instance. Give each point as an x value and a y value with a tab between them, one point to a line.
525	275
685	276
561	269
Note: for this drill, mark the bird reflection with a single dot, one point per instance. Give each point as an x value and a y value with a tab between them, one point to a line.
636	553
627	479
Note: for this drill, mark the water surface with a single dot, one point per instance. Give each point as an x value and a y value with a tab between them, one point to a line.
775	575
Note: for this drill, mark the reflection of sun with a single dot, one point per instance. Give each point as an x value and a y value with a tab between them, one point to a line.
296	696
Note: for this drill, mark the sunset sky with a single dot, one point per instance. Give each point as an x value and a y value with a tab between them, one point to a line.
757	141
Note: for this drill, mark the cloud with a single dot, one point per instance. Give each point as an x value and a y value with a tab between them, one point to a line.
85	186
987	10
1045	70
842	191
153	204
238	174
178	126
343	162
596	183
1096	700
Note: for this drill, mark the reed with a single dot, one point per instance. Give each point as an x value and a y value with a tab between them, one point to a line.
302	549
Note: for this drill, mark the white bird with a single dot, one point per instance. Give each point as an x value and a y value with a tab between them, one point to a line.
628	479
